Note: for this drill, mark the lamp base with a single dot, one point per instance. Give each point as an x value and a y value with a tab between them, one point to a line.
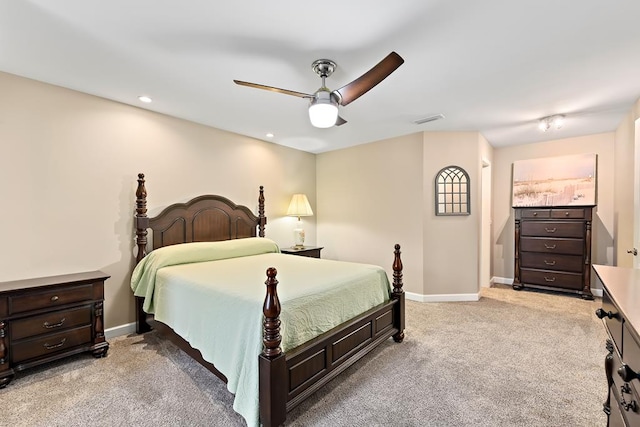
298	238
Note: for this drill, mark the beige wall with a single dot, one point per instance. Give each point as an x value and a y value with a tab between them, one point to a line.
451	243
68	168
603	222
623	196
370	198
374	195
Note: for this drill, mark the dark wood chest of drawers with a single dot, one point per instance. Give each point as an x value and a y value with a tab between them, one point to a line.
620	312
48	318
553	249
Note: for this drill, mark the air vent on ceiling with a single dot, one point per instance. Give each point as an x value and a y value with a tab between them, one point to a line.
429	119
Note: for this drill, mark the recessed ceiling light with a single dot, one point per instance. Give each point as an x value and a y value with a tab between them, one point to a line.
145	99
269	135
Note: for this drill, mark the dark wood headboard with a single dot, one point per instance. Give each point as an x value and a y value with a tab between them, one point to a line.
202	219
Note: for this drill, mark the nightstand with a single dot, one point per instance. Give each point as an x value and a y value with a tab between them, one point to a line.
308	251
48	318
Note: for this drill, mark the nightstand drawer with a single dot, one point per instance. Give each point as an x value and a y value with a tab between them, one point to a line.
51	322
51	298
50	344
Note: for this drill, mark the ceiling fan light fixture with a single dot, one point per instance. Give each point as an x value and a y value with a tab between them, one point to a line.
323	111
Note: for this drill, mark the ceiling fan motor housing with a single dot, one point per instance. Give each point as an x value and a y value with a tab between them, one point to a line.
323	67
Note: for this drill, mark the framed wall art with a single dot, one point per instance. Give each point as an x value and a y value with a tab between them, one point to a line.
555	181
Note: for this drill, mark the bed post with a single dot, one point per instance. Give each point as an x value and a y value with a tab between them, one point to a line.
273	368
398	294
262	220
142	223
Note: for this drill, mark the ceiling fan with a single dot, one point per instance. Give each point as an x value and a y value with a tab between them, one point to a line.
323	107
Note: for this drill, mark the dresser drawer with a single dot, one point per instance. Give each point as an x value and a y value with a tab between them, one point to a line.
613	325
626	398
615	417
50	298
551	278
631	355
621	416
50	322
535	213
552	229
576	213
51	344
573	263
552	246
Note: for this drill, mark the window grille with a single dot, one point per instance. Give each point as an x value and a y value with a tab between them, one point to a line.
452	191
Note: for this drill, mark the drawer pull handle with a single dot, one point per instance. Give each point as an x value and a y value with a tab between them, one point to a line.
51	347
566	214
54	298
550	230
549	262
535	214
627	374
601	314
549	246
549	279
628	406
53	325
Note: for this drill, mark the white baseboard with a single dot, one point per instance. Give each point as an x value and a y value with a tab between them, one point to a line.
502	280
117	331
596	292
442	297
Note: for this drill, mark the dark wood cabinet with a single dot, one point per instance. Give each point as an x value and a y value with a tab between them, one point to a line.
620	313
553	249
48	318
308	251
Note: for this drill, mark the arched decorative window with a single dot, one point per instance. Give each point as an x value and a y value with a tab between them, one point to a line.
452	191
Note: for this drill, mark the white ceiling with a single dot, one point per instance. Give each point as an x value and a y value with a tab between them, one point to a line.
493	66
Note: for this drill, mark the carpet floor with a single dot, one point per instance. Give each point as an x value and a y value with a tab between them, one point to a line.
511	359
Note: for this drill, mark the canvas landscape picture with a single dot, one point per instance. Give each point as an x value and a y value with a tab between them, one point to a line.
555	181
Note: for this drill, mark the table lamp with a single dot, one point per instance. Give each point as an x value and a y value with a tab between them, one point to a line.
299	206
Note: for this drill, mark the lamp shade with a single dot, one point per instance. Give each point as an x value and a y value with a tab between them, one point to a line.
299	206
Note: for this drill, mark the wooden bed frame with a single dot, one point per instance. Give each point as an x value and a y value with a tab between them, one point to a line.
285	379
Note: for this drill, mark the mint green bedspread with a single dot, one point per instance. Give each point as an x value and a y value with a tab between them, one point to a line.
216	305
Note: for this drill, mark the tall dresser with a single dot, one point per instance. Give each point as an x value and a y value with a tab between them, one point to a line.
553	249
620	312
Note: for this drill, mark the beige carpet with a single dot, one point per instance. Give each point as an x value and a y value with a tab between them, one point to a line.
512	359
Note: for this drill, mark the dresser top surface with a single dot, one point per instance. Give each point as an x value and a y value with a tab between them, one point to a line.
623	285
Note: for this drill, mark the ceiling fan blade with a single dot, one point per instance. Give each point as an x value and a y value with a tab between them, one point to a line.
340	121
368	80
274	89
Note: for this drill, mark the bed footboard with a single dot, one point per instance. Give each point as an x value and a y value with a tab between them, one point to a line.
288	379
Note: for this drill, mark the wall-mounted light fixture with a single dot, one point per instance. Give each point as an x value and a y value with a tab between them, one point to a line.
556	122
